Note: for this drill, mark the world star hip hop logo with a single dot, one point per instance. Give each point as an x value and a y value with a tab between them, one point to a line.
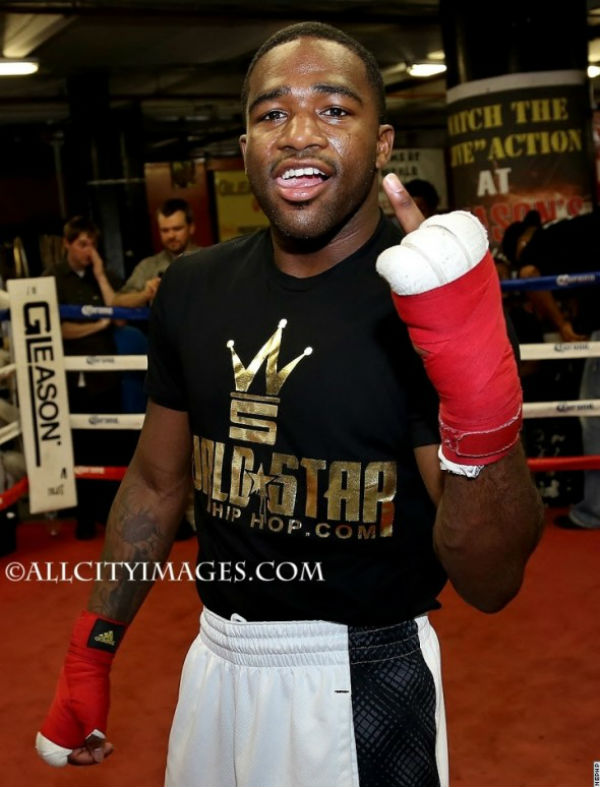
253	416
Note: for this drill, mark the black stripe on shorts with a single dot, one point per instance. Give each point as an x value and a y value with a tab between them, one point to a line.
393	705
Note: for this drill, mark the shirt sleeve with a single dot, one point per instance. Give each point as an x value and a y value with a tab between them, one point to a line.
165	382
137	281
423	406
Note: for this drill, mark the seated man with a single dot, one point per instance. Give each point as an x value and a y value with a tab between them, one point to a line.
81	279
176	227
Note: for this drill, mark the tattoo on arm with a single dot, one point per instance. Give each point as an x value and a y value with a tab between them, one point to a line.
135	542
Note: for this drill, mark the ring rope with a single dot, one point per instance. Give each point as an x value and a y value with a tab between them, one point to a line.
9	432
529	352
558	351
99	363
10	496
579	407
106	420
542	464
564	281
583	408
88	312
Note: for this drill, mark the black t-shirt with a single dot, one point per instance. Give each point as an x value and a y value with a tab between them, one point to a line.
75	290
306	400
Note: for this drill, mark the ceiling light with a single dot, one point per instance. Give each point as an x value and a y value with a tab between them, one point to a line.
425	69
14	68
593	71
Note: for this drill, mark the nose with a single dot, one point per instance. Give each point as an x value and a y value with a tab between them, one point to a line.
301	131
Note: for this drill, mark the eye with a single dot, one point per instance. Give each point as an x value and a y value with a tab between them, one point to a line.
272	114
335	112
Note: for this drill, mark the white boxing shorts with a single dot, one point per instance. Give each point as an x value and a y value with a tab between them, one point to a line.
309	704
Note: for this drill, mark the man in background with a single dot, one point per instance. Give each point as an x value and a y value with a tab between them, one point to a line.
82	279
425	196
176	227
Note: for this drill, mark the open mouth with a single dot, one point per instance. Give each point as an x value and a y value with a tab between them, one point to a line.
301	176
301	183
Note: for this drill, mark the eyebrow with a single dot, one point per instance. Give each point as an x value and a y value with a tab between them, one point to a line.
323	88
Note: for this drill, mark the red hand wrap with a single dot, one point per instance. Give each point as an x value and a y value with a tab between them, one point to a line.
81	701
461	329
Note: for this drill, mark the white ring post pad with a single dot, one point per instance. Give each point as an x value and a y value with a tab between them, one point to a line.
446	290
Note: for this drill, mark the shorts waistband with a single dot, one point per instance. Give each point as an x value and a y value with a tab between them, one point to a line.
275	643
297	642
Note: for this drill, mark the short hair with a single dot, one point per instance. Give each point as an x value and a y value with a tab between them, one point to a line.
80	225
424	189
171	206
326	33
514	231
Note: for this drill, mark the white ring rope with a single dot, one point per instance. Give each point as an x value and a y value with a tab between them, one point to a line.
529	352
100	363
9	432
106	421
547	350
582	408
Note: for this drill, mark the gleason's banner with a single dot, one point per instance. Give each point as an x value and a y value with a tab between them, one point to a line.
238	212
520	142
42	387
423	163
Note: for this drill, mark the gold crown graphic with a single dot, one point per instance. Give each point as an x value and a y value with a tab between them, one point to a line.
275	377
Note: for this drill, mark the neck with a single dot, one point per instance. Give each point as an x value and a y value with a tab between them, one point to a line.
74	266
304	258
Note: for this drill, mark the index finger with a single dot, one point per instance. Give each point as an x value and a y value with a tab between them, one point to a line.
407	213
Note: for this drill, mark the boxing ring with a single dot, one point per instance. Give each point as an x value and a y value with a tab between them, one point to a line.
38	297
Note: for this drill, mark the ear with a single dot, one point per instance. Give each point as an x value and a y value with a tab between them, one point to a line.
385	144
243	145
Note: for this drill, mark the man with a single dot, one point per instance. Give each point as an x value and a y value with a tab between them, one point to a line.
520	244
81	279
425	196
278	360
176	227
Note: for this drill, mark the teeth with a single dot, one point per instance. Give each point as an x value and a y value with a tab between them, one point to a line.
298	173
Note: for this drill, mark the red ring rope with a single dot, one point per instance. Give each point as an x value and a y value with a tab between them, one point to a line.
15	492
541	464
544	464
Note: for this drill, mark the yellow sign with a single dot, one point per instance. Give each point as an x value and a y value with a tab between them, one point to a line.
238	212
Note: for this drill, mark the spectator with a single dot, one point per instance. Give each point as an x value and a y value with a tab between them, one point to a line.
425	196
567	246
176	226
531	263
81	279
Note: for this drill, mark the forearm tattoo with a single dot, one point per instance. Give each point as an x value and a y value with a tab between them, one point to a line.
134	542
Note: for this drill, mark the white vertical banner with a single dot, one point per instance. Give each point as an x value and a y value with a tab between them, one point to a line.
422	163
42	388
